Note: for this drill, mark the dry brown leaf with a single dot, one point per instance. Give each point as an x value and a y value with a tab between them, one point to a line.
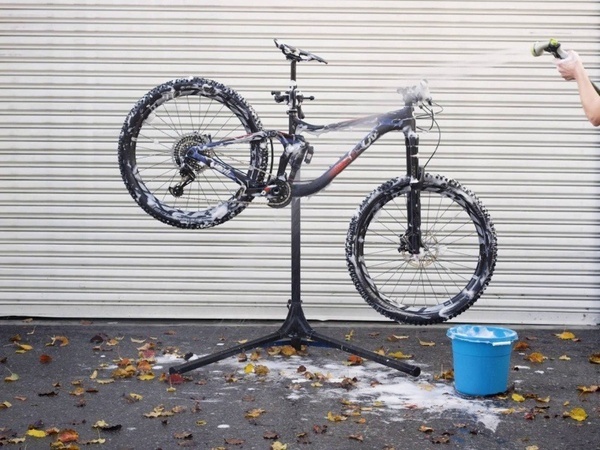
595	358
254	413
536	357
590	389
12	377
399	355
261	370
425	429
354	360
565	335
426	344
335	417
68	435
521	345
395	338
62	340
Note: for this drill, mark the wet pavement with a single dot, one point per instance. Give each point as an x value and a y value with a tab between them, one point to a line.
106	385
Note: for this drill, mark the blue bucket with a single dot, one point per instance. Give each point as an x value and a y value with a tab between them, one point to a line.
481	358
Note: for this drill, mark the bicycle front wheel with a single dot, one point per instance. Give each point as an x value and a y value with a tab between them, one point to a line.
453	267
159	131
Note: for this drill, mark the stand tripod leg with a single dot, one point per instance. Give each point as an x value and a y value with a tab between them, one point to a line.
344	346
209	359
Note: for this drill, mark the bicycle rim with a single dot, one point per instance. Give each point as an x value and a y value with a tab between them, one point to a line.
447	276
157	135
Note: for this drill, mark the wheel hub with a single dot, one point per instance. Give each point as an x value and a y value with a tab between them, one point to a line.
427	256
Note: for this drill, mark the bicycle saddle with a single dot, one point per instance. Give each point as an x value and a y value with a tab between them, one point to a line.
297	54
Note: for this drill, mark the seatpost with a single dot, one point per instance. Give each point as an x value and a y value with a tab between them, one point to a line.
292	98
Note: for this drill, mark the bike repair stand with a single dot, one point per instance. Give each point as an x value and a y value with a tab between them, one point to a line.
295	330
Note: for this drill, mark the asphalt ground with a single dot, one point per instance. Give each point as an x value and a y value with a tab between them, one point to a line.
106	385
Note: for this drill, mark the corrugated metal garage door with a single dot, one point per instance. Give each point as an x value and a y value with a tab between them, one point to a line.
74	244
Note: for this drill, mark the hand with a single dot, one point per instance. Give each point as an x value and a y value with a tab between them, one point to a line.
571	67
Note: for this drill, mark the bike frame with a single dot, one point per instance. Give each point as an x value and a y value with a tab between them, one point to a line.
297	151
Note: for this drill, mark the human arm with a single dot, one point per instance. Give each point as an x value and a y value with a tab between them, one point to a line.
572	68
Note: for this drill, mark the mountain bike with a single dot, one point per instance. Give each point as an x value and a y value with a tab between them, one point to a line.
420	249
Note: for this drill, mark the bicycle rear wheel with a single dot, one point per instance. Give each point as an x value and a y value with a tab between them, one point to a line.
451	271
156	136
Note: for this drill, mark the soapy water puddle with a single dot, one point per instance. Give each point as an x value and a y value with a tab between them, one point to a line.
377	385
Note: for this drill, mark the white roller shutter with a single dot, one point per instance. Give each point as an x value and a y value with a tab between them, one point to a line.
74	244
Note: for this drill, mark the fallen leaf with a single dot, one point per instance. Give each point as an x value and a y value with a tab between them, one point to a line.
270	435
595	358
12	377
425	429
448	375
201	423
68	435
146	376
93	441
349	336
587	390
261	370
233	441
536	357
354	360
63	340
45	359
278	446
543	400
426	344
564	358
288	350
23	348
565	335
183	435
335	417
518	398
399	355
577	414
254	413
357	437
521	345
394	338
319	429
249	368
102	425
36	433
5	405
175	379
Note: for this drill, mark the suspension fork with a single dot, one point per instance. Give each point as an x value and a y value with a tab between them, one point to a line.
412	241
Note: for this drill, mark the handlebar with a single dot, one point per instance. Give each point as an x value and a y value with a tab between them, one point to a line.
416	94
552	46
